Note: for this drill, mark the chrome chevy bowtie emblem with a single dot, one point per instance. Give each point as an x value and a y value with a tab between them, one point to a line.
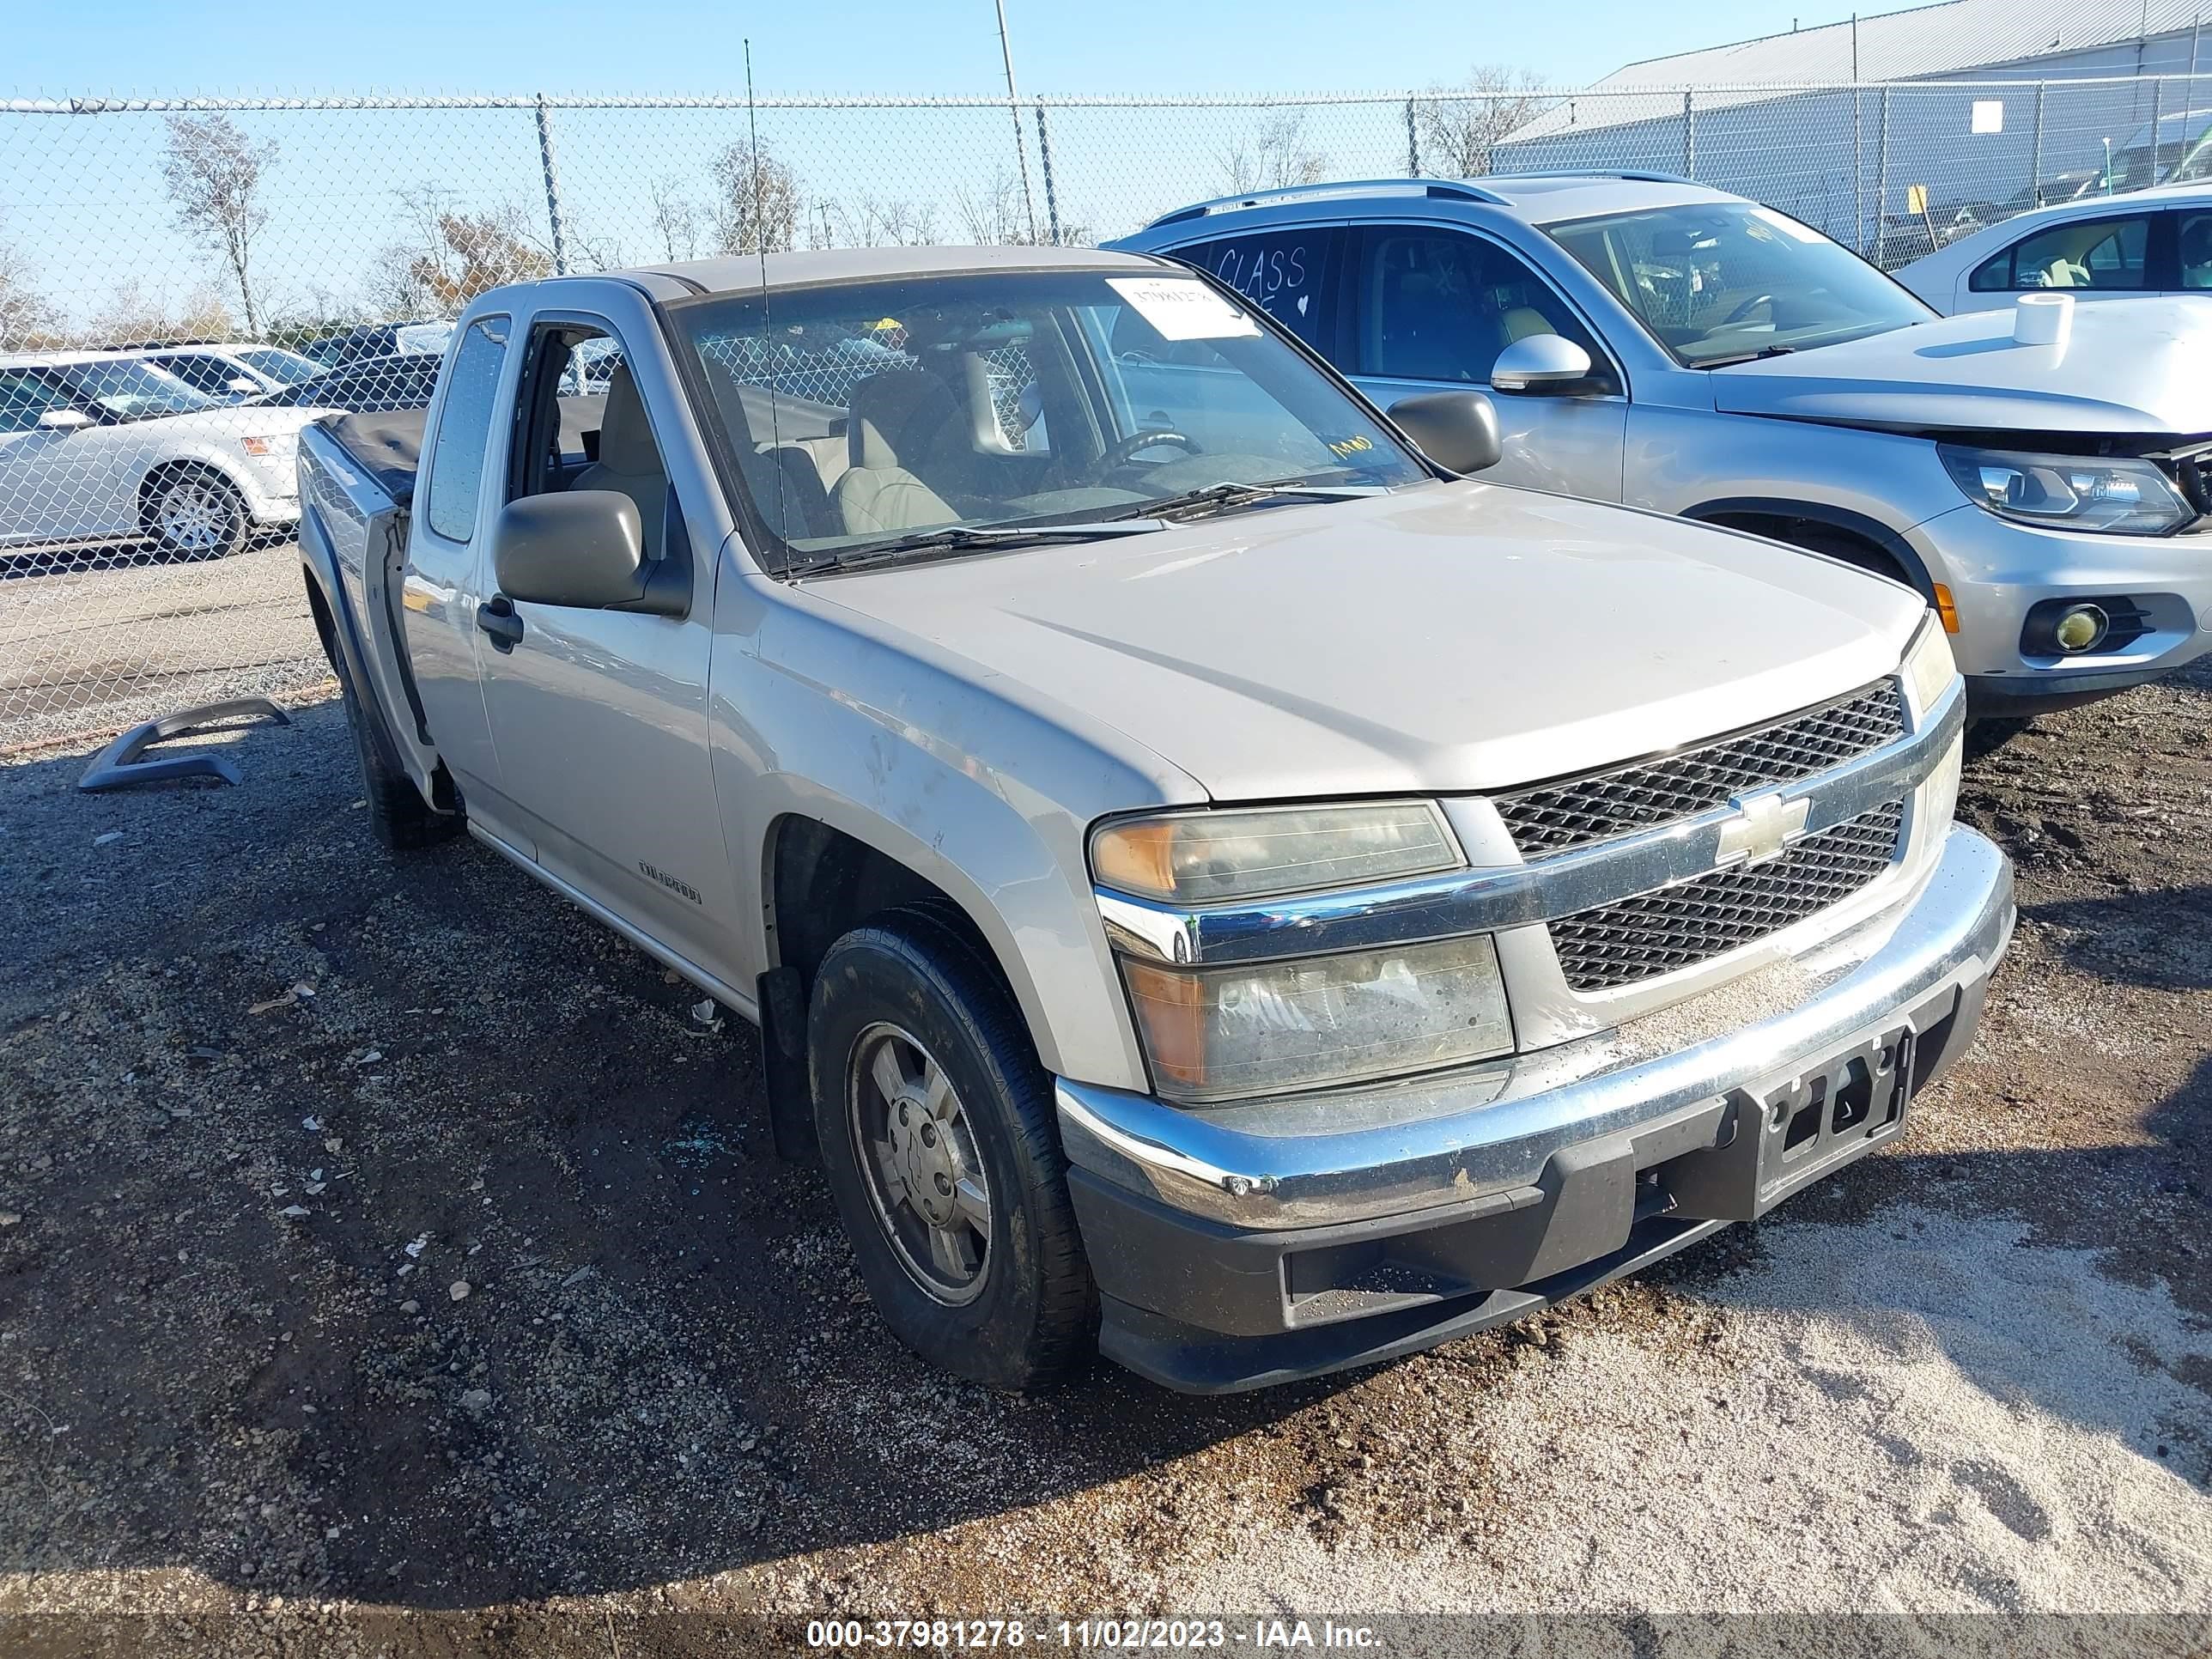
1762	827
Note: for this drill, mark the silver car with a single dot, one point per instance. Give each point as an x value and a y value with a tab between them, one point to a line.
1651	342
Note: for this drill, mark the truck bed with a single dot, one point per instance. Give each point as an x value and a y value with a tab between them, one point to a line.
388	448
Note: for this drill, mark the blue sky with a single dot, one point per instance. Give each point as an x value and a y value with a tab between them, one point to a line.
860	46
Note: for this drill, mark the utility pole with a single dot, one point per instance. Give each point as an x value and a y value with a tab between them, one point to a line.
1014	108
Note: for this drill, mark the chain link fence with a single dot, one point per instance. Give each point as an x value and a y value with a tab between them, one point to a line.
185	283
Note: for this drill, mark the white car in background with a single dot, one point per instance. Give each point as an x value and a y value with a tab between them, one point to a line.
231	374
2095	247
100	445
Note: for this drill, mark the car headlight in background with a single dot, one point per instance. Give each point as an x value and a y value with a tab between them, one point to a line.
1218	1033
1196	858
1930	668
2086	492
275	443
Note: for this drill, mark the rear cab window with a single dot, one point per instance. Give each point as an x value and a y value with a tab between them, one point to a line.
458	454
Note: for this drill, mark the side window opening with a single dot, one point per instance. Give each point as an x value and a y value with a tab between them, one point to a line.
458	454
582	424
2095	254
1289	273
1441	304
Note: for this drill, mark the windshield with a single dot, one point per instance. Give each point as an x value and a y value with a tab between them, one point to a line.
278	364
129	390
1723	281
864	415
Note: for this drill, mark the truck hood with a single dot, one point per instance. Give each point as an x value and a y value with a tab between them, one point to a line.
1446	638
2136	367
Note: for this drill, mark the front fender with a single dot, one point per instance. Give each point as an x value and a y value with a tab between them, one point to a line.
988	798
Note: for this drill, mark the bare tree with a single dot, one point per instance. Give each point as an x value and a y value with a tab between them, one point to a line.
756	202
997	216
129	313
450	256
1459	126
28	322
870	222
1276	158
675	221
213	171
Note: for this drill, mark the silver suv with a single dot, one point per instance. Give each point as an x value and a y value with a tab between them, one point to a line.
1663	345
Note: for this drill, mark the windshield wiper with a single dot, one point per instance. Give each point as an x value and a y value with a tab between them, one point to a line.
1196	503
1748	356
964	537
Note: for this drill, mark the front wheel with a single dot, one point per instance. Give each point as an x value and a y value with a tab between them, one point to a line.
195	514
939	1138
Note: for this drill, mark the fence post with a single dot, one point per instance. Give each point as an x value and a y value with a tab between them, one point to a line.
1689	134
1858	168
1044	159
1882	181
552	187
2157	138
2035	152
1413	144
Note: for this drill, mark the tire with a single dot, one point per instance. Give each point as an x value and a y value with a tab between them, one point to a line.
398	817
1008	1300
194	513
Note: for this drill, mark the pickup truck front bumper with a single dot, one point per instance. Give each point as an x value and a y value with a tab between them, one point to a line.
1258	1243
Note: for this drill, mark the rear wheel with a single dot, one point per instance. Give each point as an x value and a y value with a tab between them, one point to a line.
938	1139
194	513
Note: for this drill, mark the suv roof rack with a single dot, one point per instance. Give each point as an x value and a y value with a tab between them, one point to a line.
1438	188
1637	175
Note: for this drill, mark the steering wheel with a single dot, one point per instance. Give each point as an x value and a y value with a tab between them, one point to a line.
1135	444
1746	308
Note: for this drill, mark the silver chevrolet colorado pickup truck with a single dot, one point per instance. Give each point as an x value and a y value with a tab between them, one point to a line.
1215	882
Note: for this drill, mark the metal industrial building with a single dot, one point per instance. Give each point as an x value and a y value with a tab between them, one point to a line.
1992	106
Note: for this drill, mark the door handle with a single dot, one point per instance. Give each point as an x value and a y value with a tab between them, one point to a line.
495	616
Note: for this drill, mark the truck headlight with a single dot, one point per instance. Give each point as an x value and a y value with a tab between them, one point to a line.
2086	492
1217	1033
1192	858
1930	668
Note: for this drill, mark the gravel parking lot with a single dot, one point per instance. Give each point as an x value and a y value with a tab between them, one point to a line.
390	1262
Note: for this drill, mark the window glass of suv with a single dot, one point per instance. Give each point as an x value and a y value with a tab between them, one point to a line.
1720	281
1290	273
25	395
869	412
1440	305
2091	253
457	456
128	389
2195	246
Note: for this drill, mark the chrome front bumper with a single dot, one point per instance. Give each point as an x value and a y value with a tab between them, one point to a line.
1488	1132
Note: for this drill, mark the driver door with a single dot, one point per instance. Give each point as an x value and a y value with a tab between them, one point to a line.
1433	305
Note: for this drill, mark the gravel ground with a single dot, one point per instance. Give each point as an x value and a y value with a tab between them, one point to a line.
389	1263
93	639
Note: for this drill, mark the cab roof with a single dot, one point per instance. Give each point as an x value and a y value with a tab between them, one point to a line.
1537	197
741	273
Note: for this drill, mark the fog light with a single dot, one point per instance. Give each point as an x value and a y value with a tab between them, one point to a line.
2082	628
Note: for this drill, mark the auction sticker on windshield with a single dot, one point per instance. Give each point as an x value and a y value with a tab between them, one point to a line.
1180	309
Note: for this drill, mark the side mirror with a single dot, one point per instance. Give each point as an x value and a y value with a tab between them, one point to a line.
1457	430
585	549
1542	365
64	419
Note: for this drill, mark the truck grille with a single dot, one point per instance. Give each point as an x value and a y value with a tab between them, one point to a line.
1654	933
1553	817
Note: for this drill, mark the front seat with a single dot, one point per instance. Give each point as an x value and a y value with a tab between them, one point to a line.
876	493
629	460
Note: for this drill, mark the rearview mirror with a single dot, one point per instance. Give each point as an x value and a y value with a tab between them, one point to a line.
64	419
1457	430
1542	364
585	549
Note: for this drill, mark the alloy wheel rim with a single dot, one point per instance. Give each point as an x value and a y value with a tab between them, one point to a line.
919	1161
193	517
